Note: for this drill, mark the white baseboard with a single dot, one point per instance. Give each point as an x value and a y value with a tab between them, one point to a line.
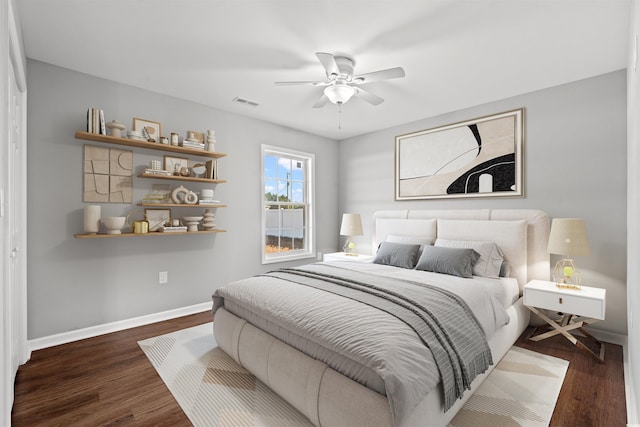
94	331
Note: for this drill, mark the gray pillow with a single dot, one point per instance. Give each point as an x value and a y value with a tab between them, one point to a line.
491	256
453	261
397	254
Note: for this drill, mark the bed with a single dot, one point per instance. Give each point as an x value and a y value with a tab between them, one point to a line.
340	361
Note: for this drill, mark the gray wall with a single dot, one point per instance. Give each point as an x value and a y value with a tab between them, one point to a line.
75	283
571	132
575	166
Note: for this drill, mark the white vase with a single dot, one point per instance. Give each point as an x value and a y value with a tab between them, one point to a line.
91	219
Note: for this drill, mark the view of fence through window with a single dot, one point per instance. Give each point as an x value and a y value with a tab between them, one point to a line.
285	202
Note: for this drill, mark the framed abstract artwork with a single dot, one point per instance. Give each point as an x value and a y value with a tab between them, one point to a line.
175	164
153	128
157	218
107	175
476	158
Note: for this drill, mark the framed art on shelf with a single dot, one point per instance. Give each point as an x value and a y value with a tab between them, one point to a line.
175	164
157	218
476	158
153	128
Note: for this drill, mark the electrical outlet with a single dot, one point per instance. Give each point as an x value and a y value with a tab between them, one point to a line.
163	277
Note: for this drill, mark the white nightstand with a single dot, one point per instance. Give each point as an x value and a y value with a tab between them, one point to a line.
578	308
341	256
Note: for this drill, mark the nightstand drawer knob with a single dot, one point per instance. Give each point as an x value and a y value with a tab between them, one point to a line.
560	300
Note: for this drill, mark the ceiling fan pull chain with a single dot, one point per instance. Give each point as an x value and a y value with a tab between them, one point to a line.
340	116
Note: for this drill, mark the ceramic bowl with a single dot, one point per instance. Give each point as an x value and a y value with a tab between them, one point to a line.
114	224
192	218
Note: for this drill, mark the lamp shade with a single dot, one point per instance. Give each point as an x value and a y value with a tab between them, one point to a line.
351	225
339	92
568	237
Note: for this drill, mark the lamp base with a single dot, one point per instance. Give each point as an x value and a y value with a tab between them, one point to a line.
568	286
349	248
566	275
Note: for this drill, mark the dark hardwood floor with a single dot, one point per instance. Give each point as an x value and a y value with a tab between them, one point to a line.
108	381
592	394
101	381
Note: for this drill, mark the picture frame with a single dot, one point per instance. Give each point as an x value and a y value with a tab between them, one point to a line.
157	218
481	157
154	128
170	163
197	135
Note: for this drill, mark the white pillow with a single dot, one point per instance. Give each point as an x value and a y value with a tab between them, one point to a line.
491	257
510	236
411	240
404	227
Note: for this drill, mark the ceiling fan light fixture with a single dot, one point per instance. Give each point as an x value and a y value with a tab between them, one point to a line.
339	93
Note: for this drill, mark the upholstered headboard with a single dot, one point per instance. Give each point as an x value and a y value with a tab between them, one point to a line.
522	234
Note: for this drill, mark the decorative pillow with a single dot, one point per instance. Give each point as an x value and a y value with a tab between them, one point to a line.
397	254
491	257
453	261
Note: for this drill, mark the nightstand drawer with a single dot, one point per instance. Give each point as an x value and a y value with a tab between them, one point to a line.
565	302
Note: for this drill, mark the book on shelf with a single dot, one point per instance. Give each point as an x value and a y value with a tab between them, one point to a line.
208	202
103	125
180	228
157	172
195	145
212	169
95	121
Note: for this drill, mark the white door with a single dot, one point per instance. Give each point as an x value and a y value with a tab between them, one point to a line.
17	213
13	186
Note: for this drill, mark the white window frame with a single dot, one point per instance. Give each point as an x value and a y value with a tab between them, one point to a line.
309	184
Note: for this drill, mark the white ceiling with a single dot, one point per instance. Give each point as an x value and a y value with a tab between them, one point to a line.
455	53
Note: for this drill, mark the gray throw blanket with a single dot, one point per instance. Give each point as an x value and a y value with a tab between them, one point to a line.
458	344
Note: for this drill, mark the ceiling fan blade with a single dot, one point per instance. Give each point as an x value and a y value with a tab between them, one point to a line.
328	61
302	83
369	97
390	73
321	102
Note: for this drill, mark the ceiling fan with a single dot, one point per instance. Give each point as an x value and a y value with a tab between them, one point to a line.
341	84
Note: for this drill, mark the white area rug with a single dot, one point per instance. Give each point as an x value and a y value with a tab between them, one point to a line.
521	391
214	391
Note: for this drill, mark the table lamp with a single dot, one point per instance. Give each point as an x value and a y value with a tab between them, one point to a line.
351	226
568	237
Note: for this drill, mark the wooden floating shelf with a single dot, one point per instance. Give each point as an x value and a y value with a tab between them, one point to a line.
152	233
144	144
182	178
178	205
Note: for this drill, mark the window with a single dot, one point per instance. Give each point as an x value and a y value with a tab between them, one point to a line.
287	205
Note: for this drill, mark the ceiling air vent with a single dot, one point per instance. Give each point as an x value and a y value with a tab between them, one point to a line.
245	101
